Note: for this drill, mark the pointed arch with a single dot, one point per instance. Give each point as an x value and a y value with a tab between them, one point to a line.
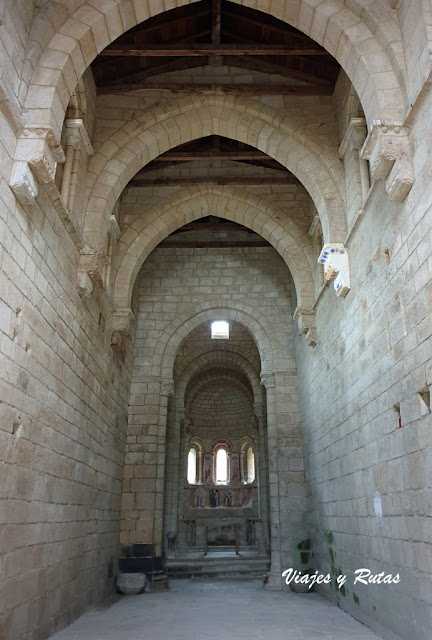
235	205
361	39
280	136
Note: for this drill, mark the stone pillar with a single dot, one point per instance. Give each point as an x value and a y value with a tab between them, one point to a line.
288	500
175	418
275	581
73	138
166	392
261	466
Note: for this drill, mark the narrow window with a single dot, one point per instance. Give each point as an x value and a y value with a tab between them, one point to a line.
250	462
220	330
221	467
192	466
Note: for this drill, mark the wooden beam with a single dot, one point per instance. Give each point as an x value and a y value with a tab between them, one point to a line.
182	156
211	245
216	22
224	180
219	89
210	49
258	64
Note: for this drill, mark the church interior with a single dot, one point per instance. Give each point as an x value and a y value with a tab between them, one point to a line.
216	309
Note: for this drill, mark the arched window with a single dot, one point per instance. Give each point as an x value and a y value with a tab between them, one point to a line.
192	466
250	465
221	466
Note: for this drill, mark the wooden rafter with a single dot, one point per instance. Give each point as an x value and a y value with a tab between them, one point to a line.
222	180
216	89
162	51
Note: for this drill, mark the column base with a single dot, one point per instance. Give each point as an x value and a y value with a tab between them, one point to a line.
273	582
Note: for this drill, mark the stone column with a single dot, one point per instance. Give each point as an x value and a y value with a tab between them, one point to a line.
73	138
288	500
275	581
166	392
261	469
175	420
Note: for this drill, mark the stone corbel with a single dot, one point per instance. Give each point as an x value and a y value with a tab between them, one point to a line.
23	184
306	324
121	324
37	148
334	257
388	151
91	264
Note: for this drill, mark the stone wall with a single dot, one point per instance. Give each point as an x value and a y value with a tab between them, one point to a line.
372	366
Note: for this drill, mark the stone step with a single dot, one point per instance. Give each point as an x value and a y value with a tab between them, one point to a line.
217	564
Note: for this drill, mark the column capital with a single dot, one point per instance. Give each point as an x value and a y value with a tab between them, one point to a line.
75	132
267	379
167	388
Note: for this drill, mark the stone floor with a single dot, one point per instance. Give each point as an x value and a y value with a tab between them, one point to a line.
220	609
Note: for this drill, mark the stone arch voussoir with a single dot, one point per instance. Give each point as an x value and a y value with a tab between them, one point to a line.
232	204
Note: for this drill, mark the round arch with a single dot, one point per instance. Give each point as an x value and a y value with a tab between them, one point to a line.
357	37
264	218
231	377
267	339
213	359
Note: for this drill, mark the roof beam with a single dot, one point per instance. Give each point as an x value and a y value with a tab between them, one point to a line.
219	89
223	180
182	156
211	49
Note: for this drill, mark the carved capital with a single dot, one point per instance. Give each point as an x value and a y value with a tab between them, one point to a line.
334	257
75	132
388	150
267	379
167	388
354	137
113	228
23	184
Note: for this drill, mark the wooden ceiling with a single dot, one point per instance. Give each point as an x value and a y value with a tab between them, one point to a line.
215	32
211	150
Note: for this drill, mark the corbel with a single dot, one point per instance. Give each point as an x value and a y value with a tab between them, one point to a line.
334	257
306	324
120	330
37	151
90	263
388	150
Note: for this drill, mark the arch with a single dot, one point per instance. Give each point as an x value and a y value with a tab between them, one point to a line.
267	339
281	136
234	380
363	41
212	359
236	205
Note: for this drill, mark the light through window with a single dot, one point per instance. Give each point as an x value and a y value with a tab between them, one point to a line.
250	463
192	466
220	330
221	467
